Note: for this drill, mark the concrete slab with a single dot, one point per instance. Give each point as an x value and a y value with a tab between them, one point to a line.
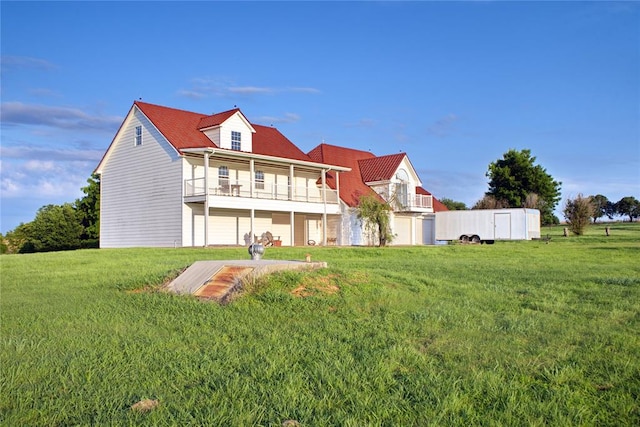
200	278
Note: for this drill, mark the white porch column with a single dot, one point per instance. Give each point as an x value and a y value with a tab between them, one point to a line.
413	230
252	176
338	187
291	182
252	221
292	220
324	203
206	199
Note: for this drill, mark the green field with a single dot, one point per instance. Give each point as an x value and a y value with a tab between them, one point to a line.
516	333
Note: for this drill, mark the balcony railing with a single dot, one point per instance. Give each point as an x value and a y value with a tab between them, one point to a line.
418	201
236	188
423	201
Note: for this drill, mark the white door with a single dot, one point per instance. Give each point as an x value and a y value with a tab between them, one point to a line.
502	226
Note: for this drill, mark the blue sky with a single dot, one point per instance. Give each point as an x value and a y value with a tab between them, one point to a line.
453	84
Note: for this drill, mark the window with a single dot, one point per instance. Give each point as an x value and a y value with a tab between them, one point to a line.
223	178
236	141
402	188
138	140
259	180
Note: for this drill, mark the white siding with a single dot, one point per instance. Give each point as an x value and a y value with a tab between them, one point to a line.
233	227
235	123
141	190
213	135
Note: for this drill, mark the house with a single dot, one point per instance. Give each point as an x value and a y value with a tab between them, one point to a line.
175	178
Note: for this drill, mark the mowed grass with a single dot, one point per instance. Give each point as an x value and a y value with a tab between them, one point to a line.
516	333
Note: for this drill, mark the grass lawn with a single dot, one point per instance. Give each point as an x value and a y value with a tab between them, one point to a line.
516	333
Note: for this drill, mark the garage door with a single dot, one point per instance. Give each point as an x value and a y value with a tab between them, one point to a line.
402	231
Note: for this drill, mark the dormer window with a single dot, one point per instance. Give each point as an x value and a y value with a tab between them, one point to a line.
236	141
138	137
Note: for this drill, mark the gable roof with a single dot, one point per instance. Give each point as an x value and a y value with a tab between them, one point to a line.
380	168
216	119
183	130
351	184
179	127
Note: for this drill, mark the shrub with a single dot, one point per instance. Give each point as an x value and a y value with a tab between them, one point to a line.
578	213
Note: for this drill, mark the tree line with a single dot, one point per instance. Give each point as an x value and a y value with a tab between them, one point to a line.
59	227
601	206
515	181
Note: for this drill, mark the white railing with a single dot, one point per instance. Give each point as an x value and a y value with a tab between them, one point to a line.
423	201
236	188
418	201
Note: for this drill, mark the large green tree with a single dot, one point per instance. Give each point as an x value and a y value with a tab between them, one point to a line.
628	206
88	209
601	207
55	228
515	178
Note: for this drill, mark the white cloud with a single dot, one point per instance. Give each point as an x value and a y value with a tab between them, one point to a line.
303	90
251	90
13	152
21	62
18	113
39	166
286	118
203	87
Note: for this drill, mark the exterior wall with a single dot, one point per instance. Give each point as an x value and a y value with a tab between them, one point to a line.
213	135
139	205
235	123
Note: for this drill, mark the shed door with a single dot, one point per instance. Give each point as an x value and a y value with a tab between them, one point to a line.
502	226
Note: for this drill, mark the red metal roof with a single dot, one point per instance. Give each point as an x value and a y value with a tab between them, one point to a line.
182	129
351	184
270	142
216	119
380	168
179	127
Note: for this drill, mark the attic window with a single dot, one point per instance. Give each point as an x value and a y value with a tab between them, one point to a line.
236	141
138	138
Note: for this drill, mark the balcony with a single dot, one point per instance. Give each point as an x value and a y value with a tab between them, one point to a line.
234	188
417	202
